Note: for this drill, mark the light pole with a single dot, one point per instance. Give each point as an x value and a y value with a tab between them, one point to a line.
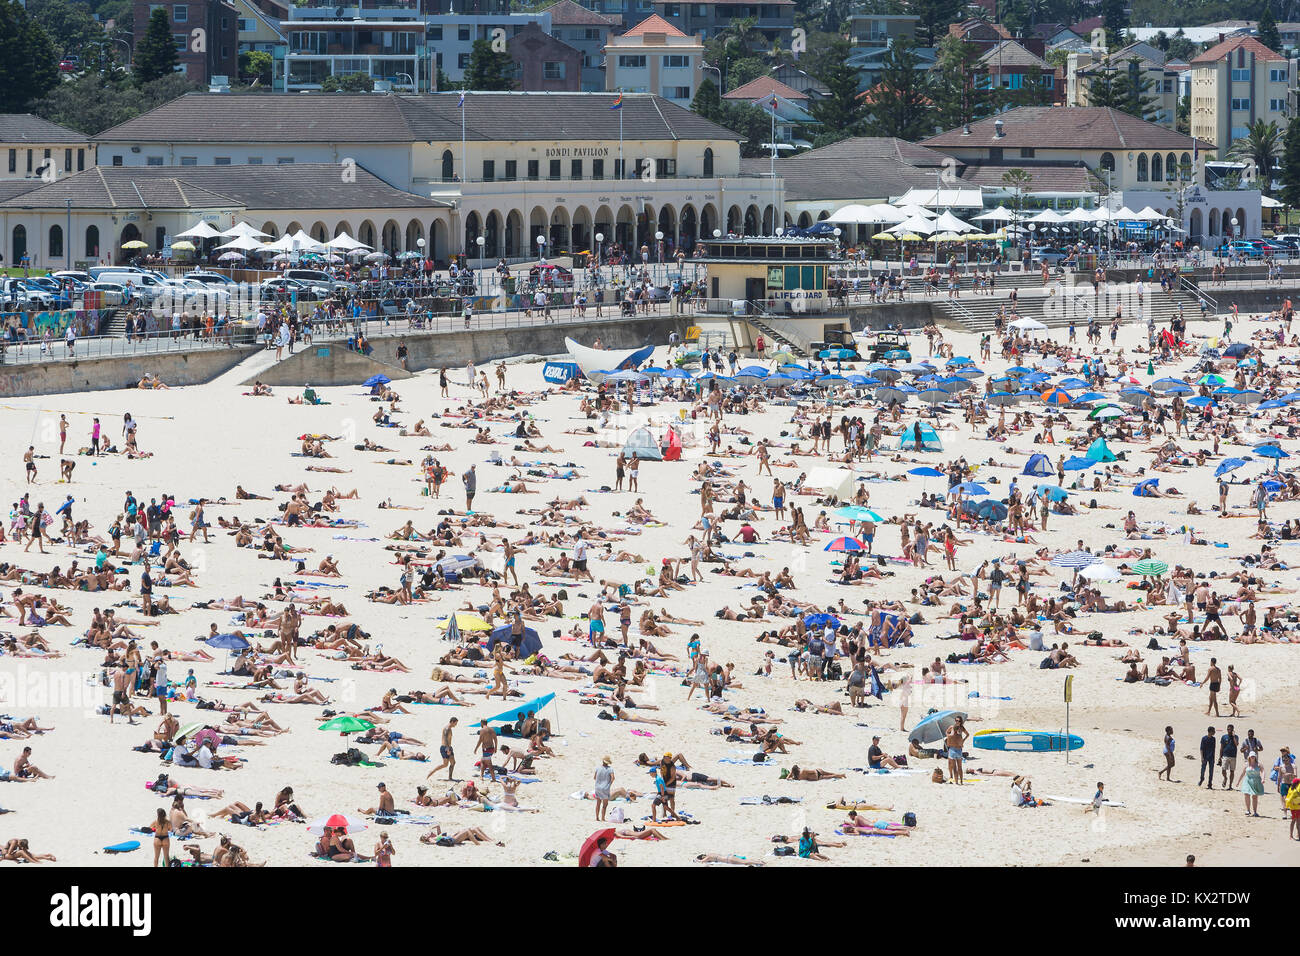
480	241
409	77
705	66
659	246
541	250
600	238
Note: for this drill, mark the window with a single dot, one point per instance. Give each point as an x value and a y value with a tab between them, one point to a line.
1142	168
245	25
665	167
597	169
29	162
676	62
1241	104
448	166
995	154
180	14
221	161
512	169
554	69
591	33
533	166
435	33
13	160
618	169
672	9
67	160
1241	76
254	160
554	169
462	61
189	161
1171	167
462	34
1026	152
286	161
1157	171
92	242
1276	106
676	92
1049	80
626	62
489	170
1276	75
182	42
708	162
1239	132
117	160
154	161
56	242
575	169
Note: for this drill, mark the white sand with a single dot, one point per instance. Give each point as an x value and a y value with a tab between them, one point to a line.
208	438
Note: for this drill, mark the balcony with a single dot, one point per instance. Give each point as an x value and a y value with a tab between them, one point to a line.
385	10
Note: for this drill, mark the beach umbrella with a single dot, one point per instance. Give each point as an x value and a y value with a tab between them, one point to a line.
968	488
135	244
886	373
227	643
1150	567
1140	489
374	380
989	510
1099	572
1211	379
1105	412
1034	378
779	381
844	544
231	256
1074	559
819	619
1271	451
858	513
831	380
1179	389
1001	398
934	727
1055	396
346	724
1271	404
892	393
1052	492
677	373
200	230
1019	370
1200	401
1134	396
589	845
960	360
1246	397
1073	382
336	821
1161	384
1077	464
627	375
184	246
934	396
1236	350
1088	397
926	472
1229	465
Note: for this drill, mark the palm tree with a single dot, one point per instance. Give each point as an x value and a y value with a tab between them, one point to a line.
1262	145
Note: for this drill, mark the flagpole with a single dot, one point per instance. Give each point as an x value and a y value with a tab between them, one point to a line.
773	105
622	170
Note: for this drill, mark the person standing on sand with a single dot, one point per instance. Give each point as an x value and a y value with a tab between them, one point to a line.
1207	758
446	751
954	739
29	462
1228	744
471	486
487	743
604	780
1234	688
1214	677
1168	770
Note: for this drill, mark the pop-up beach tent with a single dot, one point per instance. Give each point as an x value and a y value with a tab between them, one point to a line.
644	445
929	437
532	644
1100	451
606	360
1038	465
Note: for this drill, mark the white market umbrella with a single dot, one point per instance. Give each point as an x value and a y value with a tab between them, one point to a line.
1028	325
200	230
1100	572
243	244
910	211
242	229
345	242
950	223
1001	214
1150	215
1079	215
860	214
1049	216
231	256
915	224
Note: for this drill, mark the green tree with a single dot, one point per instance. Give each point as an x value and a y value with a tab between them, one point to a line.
935	16
489	70
1262	145
1102	86
1115	16
255	66
28	64
743	69
841	112
900	103
751	122
1290	174
348	83
93	102
1017	181
1267	32
68	23
958	96
1132	91
155	54
708	101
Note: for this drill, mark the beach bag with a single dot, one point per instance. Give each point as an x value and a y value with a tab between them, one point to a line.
909	819
616	815
783	851
937	776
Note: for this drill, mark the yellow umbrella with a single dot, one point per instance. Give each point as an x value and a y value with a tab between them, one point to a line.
135	244
183	245
910	237
472	622
949	237
884	235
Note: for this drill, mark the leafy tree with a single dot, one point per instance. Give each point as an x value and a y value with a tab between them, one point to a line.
708	101
935	16
900	103
751	122
1017	181
1132	88
94	102
28	63
1267	32
1290	175
744	69
155	54
68	23
1115	16
348	83
489	70
958	96
1181	48
841	111
256	65
1262	145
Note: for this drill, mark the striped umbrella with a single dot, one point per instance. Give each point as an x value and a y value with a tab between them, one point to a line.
1074	559
1056	396
1151	567
845	544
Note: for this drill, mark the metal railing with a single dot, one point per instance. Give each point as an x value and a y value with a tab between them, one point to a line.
1187	285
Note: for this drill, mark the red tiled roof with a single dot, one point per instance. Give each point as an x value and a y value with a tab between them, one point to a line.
764	86
654	24
1221	50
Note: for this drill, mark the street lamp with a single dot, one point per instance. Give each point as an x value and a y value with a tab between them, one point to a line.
1234	228
717	233
541	249
409	77
600	238
480	241
659	246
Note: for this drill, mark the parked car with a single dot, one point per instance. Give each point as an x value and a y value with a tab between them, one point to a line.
1238	247
110	293
319	277
1052	257
70	64
212	279
283	289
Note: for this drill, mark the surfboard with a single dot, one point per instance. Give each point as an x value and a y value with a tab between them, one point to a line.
126	847
1027	740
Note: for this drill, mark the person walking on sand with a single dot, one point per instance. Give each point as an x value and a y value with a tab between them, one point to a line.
1214	678
604	780
1207	758
1228	744
1252	785
1234	688
446	751
487	743
1168	770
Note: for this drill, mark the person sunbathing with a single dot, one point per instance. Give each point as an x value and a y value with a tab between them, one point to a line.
807	773
436	837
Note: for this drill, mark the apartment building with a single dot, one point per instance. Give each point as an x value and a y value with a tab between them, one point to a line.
655	57
1235	83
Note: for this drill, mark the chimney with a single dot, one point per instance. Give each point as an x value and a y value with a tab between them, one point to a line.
998	132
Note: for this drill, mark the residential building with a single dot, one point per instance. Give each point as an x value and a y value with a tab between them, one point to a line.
628	13
1235	83
774	19
205	33
1010	66
389	50
586	31
797	79
451	36
986	35
1151	66
792	108
33	148
881	29
655	57
258	31
529	165
544	64
870	63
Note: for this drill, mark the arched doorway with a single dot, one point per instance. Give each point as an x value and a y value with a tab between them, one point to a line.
514	237
271	229
344	228
537	226
438	231
448	166
92	242
805	220
492	234
708	221
19	244
688	228
752	221
668	226
56	242
414	233
625	228
473	229
392	237
319	232
603	225
580	230
131	233
366	234
1196	225
1214	222
735	220
558	233
769	221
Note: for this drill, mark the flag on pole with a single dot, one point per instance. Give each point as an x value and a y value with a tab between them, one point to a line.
618	102
462	99
773	103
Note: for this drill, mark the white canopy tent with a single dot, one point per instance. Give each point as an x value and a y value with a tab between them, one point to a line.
1148	214
950	223
200	230
1047	216
244	244
346	242
954	198
243	229
1001	214
916	224
861	214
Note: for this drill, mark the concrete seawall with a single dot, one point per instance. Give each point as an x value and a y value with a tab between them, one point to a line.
329	363
89	375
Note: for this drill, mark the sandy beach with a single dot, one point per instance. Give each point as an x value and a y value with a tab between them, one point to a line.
206	439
